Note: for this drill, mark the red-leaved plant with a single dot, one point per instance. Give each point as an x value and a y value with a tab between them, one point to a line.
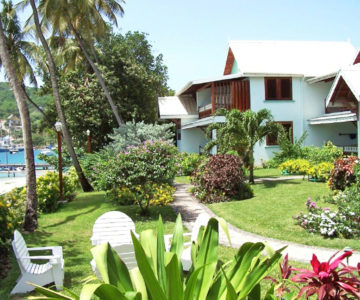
327	281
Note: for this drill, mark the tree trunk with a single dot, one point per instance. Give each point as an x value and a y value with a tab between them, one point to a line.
30	218
251	165
52	69
98	75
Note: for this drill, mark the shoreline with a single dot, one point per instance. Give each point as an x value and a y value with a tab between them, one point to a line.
8	183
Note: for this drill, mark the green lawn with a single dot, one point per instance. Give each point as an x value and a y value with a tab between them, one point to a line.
270	213
261	173
71	228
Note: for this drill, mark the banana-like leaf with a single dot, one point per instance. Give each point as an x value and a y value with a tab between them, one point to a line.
225	228
207	259
147	238
50	294
104	291
147	271
138	283
112	269
174	289
177	243
160	255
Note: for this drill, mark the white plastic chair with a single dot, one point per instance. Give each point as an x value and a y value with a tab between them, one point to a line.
40	274
114	227
201	220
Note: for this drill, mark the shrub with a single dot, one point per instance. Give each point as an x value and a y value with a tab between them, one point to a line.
12	210
134	134
295	166
48	190
162	195
221	178
342	175
320	171
188	163
326	153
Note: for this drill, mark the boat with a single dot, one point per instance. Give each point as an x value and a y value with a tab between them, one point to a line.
13	149
47	152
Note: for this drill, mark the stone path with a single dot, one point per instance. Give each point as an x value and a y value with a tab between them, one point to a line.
189	208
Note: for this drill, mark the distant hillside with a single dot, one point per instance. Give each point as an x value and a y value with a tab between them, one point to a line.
8	103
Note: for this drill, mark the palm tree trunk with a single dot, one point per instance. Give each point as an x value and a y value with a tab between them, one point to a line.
30	218
83	181
98	75
251	165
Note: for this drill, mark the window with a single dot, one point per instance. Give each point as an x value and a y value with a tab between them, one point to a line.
271	140
278	88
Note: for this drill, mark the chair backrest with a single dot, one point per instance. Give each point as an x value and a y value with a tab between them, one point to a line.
127	254
113	227
201	220
20	250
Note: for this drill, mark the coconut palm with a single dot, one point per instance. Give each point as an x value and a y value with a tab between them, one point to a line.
52	70
30	220
241	131
83	20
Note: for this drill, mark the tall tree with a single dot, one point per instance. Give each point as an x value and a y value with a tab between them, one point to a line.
241	131
30	220
85	21
52	69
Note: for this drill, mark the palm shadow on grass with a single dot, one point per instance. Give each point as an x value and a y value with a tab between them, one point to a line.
274	183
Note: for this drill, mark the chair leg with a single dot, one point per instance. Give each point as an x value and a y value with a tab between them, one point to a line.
21	286
58	275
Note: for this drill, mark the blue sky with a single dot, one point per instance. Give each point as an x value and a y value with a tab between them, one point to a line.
193	35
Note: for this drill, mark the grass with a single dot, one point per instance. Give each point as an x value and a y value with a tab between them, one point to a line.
270	213
71	228
261	173
183	179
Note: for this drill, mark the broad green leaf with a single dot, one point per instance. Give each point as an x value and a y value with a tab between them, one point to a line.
147	271
270	294
225	228
138	282
103	290
177	243
133	296
191	284
160	255
255	293
50	294
207	259
174	280
230	291
112	269
147	238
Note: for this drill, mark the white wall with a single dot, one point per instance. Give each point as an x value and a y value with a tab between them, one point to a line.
203	97
191	138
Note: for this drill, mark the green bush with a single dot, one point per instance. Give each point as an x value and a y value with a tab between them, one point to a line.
188	163
327	153
12	210
221	178
162	194
295	166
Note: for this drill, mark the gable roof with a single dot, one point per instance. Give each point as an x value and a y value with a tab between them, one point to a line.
174	107
351	76
308	58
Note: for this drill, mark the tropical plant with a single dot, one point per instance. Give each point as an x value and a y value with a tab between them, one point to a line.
159	274
55	90
189	162
30	220
320	171
241	131
295	166
135	134
342	175
327	153
221	178
326	281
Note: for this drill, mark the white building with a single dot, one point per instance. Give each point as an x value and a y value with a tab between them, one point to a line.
308	86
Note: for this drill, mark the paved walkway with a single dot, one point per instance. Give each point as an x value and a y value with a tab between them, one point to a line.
189	208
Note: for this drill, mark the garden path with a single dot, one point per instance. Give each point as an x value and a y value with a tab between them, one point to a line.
189	208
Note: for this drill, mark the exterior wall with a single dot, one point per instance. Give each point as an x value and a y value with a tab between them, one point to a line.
191	139
203	97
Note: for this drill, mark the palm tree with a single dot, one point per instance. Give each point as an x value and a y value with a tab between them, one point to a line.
84	19
30	220
241	131
52	70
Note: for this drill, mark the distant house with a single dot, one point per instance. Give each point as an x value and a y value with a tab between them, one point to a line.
307	85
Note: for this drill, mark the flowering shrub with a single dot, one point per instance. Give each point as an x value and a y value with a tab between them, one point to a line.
345	222
320	171
221	178
188	163
162	195
342	175
12	210
326	281
295	166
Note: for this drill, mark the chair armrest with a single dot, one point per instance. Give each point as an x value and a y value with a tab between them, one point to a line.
42	248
